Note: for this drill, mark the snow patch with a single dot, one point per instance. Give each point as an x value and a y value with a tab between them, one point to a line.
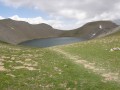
94	34
100	27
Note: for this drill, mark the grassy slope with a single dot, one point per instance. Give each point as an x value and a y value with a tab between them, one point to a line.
98	51
44	69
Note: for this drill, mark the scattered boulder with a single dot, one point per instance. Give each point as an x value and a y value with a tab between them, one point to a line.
115	49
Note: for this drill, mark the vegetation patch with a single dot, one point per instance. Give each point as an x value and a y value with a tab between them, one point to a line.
81	66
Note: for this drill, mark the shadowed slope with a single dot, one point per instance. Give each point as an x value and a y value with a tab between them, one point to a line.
15	32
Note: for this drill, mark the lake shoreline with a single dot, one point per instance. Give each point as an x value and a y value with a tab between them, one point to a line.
48	42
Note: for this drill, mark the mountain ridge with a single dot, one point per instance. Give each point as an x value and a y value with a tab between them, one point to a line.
15	32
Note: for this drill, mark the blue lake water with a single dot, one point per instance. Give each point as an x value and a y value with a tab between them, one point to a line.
51	41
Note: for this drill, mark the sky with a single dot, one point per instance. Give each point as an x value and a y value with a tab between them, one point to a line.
60	14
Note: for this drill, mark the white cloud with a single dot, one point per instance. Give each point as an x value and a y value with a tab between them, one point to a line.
38	20
1	17
55	23
73	14
80	10
35	20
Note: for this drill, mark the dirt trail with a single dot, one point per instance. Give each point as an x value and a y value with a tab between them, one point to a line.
107	75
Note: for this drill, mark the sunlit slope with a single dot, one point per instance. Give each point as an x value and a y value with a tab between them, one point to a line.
45	69
98	55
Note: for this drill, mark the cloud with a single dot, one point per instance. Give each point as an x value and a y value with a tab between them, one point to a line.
55	23
35	20
78	8
73	14
81	11
38	20
1	17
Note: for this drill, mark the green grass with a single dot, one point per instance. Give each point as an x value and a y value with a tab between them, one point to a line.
44	69
98	51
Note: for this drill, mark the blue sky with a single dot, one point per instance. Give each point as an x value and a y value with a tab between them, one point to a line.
61	14
8	11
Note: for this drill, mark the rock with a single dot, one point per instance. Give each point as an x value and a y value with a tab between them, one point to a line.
115	49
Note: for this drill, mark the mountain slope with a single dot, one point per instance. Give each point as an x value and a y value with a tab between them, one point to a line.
86	65
92	29
15	32
18	31
99	55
